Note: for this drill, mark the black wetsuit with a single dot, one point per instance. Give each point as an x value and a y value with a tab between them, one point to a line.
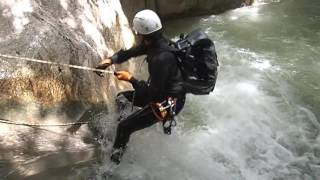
165	81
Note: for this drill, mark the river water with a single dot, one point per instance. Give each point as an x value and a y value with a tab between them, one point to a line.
262	120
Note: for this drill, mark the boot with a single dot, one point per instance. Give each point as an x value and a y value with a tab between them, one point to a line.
117	154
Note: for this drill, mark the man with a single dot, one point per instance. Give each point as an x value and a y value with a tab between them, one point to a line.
164	87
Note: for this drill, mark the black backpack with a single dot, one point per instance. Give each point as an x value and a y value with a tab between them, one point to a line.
198	62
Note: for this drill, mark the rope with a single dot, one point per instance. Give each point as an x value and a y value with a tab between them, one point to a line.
57	64
5	121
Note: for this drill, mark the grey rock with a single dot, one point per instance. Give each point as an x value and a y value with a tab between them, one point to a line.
69	32
179	8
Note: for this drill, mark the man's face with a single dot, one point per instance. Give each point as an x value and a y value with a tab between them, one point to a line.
141	39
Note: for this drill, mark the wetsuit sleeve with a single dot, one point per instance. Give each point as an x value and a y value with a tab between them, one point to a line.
123	55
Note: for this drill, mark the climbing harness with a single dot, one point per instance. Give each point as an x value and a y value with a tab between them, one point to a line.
165	113
56	64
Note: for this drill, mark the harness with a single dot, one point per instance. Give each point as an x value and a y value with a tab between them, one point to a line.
165	112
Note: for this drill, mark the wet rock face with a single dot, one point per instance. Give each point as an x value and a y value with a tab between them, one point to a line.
65	31
179	8
77	32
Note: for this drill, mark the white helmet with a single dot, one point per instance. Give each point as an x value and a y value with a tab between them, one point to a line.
146	22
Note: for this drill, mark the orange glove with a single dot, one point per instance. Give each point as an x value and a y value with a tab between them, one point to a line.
123	75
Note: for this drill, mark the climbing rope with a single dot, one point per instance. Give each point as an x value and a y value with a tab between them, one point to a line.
5	121
56	64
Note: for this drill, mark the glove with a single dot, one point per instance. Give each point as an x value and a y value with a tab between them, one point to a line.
123	75
103	65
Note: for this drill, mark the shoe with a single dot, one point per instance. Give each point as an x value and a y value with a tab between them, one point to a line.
121	102
117	154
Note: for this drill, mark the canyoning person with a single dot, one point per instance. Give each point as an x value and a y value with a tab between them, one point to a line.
162	96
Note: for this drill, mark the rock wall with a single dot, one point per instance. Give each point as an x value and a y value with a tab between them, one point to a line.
179	8
78	32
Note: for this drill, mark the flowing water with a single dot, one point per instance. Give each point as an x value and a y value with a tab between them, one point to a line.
262	120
